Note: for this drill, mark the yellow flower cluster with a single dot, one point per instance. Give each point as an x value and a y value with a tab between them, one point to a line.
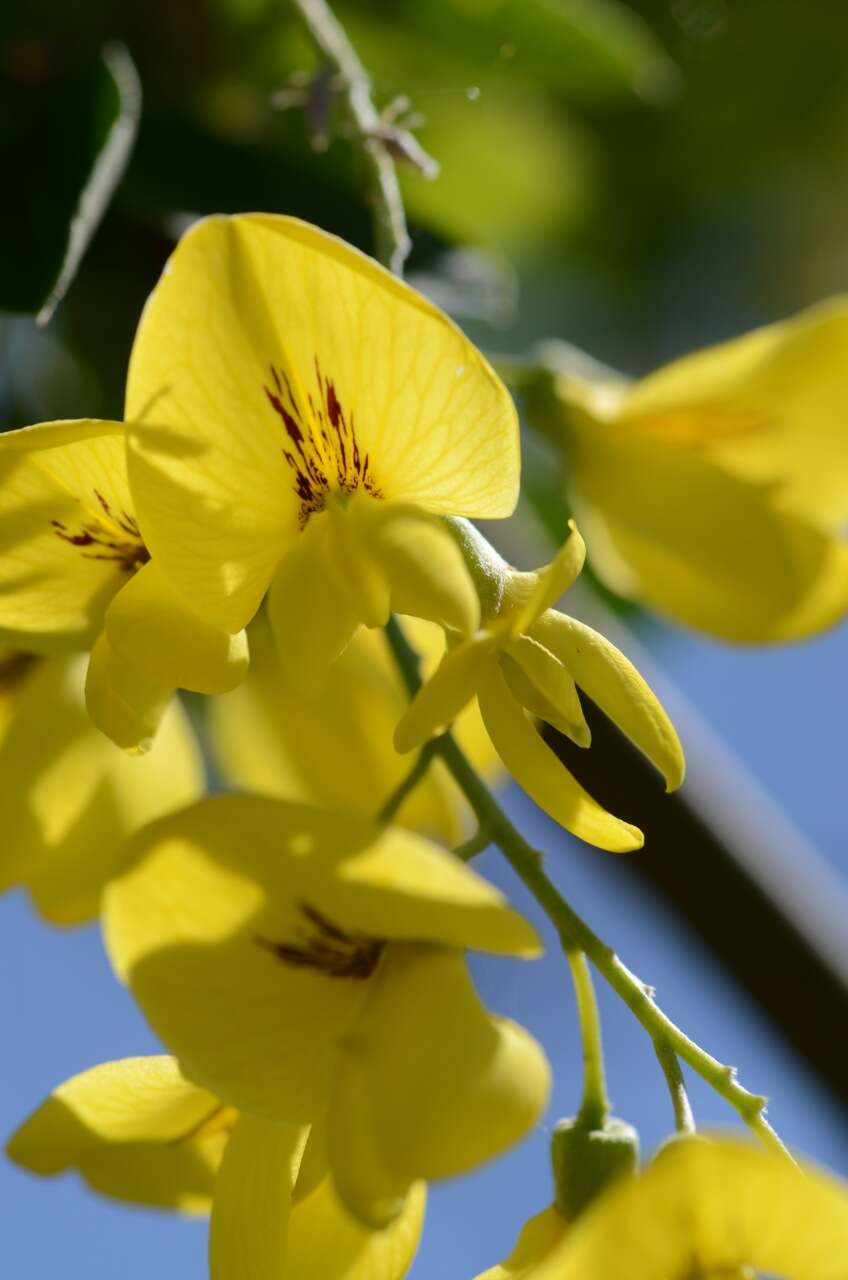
716	489
306	440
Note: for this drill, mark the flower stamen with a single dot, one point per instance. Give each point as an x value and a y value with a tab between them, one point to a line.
324	451
329	949
113	537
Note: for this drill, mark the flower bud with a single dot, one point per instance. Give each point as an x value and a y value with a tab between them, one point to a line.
586	1160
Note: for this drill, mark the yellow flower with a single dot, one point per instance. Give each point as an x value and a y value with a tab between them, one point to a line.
335	748
705	1209
300	961
70	799
75	572
527	660
716	489
138	1130
301	418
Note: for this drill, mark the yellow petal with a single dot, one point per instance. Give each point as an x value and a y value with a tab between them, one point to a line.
151	645
545	778
528	595
250	1215
324	1240
123	702
313	1166
422	563
16	668
135	1129
451	687
429	1085
194	933
715	1207
358	575
199	925
72	799
768	406
268	337
275	735
544	686
614	684
701	545
312	621
538	1238
68	537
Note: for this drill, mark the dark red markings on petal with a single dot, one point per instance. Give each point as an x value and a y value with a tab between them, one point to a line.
326	452
107	539
327	948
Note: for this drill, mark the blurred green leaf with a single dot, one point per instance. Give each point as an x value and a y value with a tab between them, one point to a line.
587	50
65	139
511	173
513	170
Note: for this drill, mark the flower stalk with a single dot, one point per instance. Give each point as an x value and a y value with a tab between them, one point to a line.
574	933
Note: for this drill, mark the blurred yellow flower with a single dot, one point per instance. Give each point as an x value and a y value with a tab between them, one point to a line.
75	573
716	489
335	748
300	961
70	799
300	418
704	1209
527	661
138	1130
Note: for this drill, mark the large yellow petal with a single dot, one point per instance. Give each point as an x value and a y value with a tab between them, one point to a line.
711	1207
273	736
268	337
545	778
422	563
151	645
312	618
538	1238
429	1085
700	544
194	933
135	1129
327	1242
250	1215
615	685
72	799
769	406
68	536
216	924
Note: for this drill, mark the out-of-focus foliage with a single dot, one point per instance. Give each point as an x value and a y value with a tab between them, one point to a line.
66	135
635	168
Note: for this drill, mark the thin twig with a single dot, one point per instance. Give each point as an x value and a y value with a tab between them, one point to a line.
684	1121
473	845
409	782
594	1107
391	237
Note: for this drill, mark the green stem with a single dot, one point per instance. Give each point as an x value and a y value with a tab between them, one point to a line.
410	782
574	932
474	845
392	243
594	1107
684	1121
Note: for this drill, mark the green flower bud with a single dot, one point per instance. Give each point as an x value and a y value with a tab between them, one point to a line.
586	1160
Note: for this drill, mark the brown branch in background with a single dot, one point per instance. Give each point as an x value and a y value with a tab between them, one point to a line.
380	139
